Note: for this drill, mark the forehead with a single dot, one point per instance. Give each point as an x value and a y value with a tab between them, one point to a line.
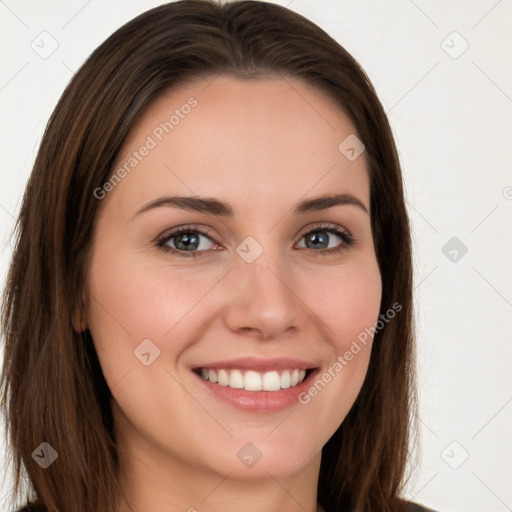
261	141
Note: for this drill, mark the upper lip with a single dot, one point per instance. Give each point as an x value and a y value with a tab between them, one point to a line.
259	364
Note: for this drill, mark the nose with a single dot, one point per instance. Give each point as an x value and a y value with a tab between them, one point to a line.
262	301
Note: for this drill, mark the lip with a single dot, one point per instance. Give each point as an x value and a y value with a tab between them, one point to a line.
259	401
259	364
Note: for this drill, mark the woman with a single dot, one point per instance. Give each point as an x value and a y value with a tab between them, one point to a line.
209	303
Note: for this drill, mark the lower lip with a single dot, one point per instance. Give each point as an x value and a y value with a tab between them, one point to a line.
259	401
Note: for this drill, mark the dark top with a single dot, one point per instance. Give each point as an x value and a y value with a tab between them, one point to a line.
413	507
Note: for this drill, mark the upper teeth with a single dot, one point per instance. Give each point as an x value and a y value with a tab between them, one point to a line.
255	381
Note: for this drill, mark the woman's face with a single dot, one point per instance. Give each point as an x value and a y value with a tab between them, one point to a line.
256	291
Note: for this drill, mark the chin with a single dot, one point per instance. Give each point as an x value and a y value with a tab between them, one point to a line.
263	457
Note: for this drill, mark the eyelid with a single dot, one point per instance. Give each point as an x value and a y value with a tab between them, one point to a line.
322	226
171	233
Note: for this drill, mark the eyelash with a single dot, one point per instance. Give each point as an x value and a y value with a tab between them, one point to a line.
347	239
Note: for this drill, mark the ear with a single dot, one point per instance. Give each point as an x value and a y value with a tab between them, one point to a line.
79	325
78	320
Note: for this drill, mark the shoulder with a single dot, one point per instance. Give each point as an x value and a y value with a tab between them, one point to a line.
408	507
405	506
31	507
415	507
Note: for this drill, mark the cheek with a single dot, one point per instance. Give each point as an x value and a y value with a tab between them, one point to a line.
347	300
133	301
348	305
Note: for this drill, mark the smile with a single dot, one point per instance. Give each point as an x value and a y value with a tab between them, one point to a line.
254	381
257	384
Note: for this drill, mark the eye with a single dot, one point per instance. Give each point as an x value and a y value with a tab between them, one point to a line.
187	241
191	241
327	239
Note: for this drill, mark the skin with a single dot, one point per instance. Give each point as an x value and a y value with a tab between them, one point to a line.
261	146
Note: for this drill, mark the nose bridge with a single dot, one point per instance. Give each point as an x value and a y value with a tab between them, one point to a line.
264	299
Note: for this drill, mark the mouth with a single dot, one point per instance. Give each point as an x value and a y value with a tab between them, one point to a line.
257	385
251	380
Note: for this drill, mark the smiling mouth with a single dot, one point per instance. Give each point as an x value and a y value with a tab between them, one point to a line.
255	381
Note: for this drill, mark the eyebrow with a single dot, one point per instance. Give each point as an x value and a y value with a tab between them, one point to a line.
216	207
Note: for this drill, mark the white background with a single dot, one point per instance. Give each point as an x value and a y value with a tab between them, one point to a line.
452	119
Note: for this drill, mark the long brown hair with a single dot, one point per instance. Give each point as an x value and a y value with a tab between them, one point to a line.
53	387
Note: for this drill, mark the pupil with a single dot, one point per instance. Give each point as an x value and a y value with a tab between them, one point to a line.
318	240
187	241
